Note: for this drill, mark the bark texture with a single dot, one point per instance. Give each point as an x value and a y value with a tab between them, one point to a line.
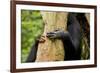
88	17
52	50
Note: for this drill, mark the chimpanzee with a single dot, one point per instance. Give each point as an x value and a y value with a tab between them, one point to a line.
71	39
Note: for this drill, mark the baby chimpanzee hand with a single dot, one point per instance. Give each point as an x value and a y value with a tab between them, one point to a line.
41	39
57	34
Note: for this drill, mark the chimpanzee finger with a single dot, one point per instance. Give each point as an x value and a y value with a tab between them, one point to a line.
42	39
50	34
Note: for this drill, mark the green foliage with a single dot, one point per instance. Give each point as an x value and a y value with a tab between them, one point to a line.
31	28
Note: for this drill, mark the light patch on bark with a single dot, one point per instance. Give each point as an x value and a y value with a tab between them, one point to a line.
88	17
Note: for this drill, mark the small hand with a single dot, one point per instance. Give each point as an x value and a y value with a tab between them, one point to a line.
41	39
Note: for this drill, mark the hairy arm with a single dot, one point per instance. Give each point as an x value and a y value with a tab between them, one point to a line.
73	33
33	52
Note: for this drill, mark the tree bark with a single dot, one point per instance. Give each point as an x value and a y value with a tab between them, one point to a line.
52	50
88	17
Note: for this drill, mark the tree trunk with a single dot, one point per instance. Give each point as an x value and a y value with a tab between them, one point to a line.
88	17
52	50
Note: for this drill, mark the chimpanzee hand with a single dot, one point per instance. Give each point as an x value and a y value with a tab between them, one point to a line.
57	34
41	39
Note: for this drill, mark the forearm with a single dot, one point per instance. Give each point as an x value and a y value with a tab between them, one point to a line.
68	38
64	35
33	52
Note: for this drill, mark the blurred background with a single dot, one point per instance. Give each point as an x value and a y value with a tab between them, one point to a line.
31	28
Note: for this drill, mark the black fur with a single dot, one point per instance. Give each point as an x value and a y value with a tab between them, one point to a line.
33	52
72	42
